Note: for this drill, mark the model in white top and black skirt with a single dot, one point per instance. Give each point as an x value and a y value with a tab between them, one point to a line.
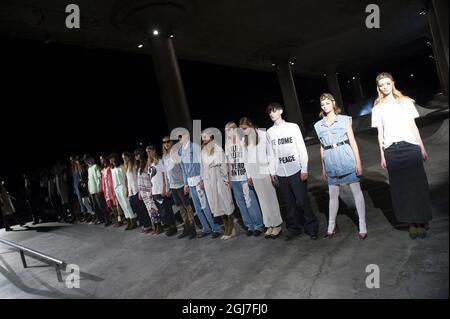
402	153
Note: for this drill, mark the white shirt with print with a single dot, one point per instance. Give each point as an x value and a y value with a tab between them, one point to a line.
286	149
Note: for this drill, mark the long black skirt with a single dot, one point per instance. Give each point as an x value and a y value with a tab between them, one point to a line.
408	183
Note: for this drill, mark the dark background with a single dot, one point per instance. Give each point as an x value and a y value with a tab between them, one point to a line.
58	100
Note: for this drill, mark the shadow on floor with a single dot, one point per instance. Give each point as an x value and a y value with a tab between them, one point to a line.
51	292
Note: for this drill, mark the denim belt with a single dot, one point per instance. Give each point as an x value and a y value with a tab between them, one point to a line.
336	145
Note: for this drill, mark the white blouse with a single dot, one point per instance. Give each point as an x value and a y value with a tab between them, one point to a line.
395	117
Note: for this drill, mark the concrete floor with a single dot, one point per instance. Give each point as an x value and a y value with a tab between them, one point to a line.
119	264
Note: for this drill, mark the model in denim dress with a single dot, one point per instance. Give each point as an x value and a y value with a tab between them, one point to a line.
341	164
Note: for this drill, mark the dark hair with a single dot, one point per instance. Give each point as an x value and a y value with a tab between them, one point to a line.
273	107
115	157
142	164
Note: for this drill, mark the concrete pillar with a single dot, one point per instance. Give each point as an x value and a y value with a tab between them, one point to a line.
334	88
358	94
438	22
291	105
170	82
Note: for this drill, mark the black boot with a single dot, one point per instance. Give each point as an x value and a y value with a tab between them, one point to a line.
192	232
185	232
171	231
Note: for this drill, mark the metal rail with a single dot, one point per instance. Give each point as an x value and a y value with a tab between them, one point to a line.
59	264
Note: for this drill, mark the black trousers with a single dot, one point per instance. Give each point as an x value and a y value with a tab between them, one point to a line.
100	207
140	210
408	183
299	212
165	209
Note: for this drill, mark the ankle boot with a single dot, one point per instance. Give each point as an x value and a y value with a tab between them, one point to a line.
158	229
133	224
185	232
128	224
192	232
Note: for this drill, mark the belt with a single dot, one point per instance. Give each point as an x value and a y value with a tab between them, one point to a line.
336	145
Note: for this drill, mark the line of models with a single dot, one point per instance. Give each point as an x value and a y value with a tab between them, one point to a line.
252	163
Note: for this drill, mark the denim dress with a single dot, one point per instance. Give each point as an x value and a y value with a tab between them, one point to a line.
339	162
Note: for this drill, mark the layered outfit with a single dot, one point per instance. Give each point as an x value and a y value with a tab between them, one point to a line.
190	156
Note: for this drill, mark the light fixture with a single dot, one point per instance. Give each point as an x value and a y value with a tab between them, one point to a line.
171	36
325	74
273	64
291	63
423	12
140	45
431	56
412	75
155	32
353	78
428	43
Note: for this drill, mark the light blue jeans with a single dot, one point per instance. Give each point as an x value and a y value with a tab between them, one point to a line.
205	215
248	205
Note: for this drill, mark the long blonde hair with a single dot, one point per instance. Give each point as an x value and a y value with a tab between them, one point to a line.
164	152
130	165
210	143
396	93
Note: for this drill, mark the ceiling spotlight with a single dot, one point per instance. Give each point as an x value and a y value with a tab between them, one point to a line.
353	78
431	56
412	75
423	12
291	63
155	32
171	36
428	43
349	81
324	74
273	64
140	46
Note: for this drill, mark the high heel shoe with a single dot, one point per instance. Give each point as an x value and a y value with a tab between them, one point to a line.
362	236
332	234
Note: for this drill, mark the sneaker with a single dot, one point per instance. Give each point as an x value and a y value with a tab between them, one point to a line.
268	232
249	233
